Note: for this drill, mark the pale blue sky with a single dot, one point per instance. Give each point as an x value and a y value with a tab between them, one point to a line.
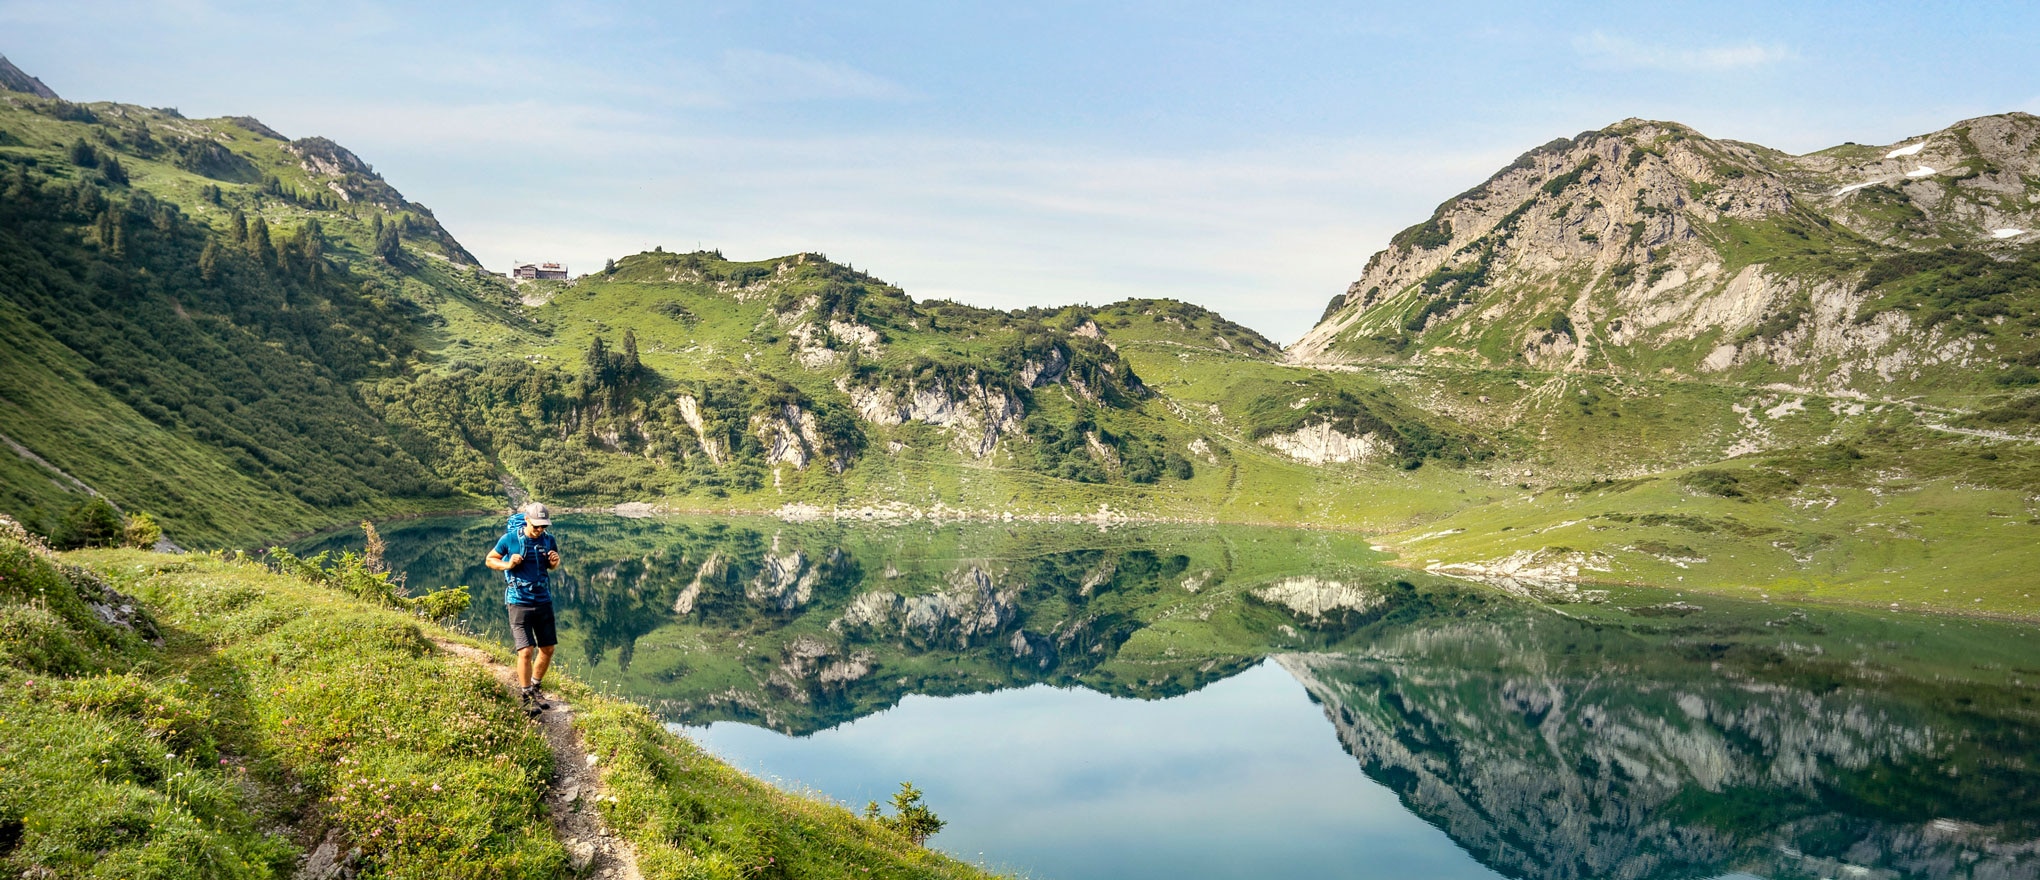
1244	157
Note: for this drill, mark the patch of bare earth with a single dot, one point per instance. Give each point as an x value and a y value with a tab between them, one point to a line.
575	786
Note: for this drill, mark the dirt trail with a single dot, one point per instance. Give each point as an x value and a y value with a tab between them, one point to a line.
575	787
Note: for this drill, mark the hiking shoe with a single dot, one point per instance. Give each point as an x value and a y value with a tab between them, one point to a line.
534	699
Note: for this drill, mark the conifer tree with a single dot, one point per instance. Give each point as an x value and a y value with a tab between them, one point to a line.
597	361
238	226
259	245
631	367
209	263
82	154
113	170
388	243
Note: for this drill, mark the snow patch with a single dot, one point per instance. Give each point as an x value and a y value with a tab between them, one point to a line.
1906	151
2007	233
1922	171
1856	186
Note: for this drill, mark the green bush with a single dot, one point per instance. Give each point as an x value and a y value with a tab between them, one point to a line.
90	523
141	532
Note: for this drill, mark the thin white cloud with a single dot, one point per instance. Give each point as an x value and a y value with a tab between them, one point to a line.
1606	50
754	75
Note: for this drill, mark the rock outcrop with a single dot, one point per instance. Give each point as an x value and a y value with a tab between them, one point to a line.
975	414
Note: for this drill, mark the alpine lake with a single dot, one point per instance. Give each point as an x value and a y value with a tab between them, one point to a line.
1174	701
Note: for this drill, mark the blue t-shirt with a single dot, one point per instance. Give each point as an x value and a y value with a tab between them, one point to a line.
526	583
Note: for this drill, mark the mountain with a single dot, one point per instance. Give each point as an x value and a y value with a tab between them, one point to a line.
250	336
13	80
1647	248
188	306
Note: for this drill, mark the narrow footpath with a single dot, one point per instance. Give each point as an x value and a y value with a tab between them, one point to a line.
575	786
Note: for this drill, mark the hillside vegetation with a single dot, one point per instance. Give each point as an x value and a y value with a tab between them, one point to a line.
201	716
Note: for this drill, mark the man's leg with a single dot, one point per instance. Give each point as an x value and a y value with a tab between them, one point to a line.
537	673
524	674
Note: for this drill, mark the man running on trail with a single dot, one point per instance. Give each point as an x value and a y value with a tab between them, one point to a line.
526	556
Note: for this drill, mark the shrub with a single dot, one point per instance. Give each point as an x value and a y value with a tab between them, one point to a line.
911	818
141	532
90	523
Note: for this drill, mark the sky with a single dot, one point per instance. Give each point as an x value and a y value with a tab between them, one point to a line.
1244	157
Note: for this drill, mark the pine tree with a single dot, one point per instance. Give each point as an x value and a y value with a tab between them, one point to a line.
389	244
599	370
631	366
113	170
608	266
209	263
259	245
238	226
910	818
82	154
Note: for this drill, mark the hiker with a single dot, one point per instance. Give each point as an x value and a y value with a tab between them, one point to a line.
525	554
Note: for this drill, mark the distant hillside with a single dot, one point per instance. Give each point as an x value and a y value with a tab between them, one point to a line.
1648	248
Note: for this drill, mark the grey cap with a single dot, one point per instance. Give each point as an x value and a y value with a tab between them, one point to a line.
536	514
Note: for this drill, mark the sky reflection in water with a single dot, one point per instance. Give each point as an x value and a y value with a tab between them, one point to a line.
1242	779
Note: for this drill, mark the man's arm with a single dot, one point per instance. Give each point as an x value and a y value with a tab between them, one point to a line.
552	557
497	562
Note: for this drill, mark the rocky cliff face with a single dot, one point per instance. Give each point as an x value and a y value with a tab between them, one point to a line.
975	413
1649	247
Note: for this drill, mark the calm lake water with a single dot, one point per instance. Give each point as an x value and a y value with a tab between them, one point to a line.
1227	702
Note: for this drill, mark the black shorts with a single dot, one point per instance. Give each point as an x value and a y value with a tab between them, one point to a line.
532	626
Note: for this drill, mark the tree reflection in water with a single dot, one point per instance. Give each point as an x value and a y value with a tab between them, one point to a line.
1640	737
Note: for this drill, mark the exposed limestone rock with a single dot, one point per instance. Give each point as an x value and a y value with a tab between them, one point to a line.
714	570
784	582
1318	597
790	437
819	346
975	416
1323	444
690	412
1036	649
1035	374
1542	575
973	607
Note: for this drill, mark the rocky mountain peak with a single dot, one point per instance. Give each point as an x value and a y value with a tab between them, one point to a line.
1612	246
14	80
1594	207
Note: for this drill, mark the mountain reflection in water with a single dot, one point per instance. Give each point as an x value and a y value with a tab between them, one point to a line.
1650	735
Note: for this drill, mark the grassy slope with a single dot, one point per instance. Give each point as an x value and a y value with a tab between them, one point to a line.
274	704
50	407
198	489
